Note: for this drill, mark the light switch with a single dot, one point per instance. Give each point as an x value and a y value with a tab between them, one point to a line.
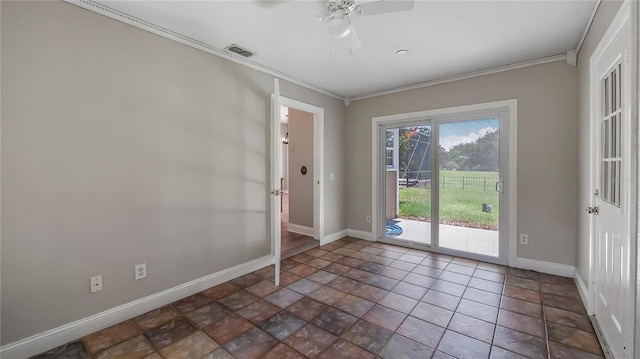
332	176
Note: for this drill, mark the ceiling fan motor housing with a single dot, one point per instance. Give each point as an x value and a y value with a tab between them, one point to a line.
346	5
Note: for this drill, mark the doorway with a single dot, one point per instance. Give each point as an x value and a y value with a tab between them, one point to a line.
275	171
296	201
614	199
446	180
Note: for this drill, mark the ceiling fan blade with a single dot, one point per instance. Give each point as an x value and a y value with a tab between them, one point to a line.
306	24
289	10
386	6
325	18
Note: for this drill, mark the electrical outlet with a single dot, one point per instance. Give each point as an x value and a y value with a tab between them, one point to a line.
141	271
368	218
96	284
524	238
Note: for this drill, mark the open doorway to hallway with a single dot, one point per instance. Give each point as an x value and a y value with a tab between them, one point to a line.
297	182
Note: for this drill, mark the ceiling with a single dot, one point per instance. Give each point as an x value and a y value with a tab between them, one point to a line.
444	38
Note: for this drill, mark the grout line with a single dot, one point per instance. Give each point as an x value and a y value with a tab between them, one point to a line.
544	319
495	329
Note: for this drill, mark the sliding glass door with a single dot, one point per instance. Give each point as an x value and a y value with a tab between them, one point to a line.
441	184
469	185
407	184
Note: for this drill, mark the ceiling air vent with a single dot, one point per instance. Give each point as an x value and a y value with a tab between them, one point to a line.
239	50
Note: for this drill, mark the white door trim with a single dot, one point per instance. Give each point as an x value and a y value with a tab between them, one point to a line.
274	179
626	15
512	106
318	161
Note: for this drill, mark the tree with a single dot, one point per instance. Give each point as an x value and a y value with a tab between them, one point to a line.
480	155
446	163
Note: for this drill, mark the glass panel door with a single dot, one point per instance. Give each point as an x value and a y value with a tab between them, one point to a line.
407	184
469	186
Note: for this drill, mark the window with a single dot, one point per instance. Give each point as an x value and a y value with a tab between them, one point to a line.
611	146
391	149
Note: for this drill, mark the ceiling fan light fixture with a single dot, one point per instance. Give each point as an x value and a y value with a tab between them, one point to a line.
339	25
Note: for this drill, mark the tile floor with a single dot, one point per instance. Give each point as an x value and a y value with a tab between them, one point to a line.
292	241
358	299
289	240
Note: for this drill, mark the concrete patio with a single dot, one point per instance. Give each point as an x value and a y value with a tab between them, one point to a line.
480	241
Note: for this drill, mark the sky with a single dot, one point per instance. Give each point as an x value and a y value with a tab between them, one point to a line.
455	133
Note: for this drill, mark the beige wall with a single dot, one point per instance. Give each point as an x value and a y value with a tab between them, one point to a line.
605	14
300	154
121	147
547	149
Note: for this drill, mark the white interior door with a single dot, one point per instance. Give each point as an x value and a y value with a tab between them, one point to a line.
276	170
612	195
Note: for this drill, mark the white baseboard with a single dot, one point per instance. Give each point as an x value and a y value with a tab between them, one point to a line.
69	332
296	228
584	292
333	237
361	235
563	270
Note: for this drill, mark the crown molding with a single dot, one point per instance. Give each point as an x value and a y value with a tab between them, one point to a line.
495	70
185	40
586	28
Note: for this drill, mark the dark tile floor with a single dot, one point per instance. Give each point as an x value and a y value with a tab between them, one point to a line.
359	299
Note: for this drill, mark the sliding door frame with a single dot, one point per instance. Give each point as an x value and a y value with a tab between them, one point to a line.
381	229
508	247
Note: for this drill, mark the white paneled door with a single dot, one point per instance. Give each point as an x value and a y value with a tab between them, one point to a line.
276	170
613	192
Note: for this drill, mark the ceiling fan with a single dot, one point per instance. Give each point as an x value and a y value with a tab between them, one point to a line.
338	12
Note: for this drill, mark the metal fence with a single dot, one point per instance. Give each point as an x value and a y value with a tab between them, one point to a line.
423	179
468	182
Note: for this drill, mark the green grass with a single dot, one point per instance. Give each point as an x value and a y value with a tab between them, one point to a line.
458	206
